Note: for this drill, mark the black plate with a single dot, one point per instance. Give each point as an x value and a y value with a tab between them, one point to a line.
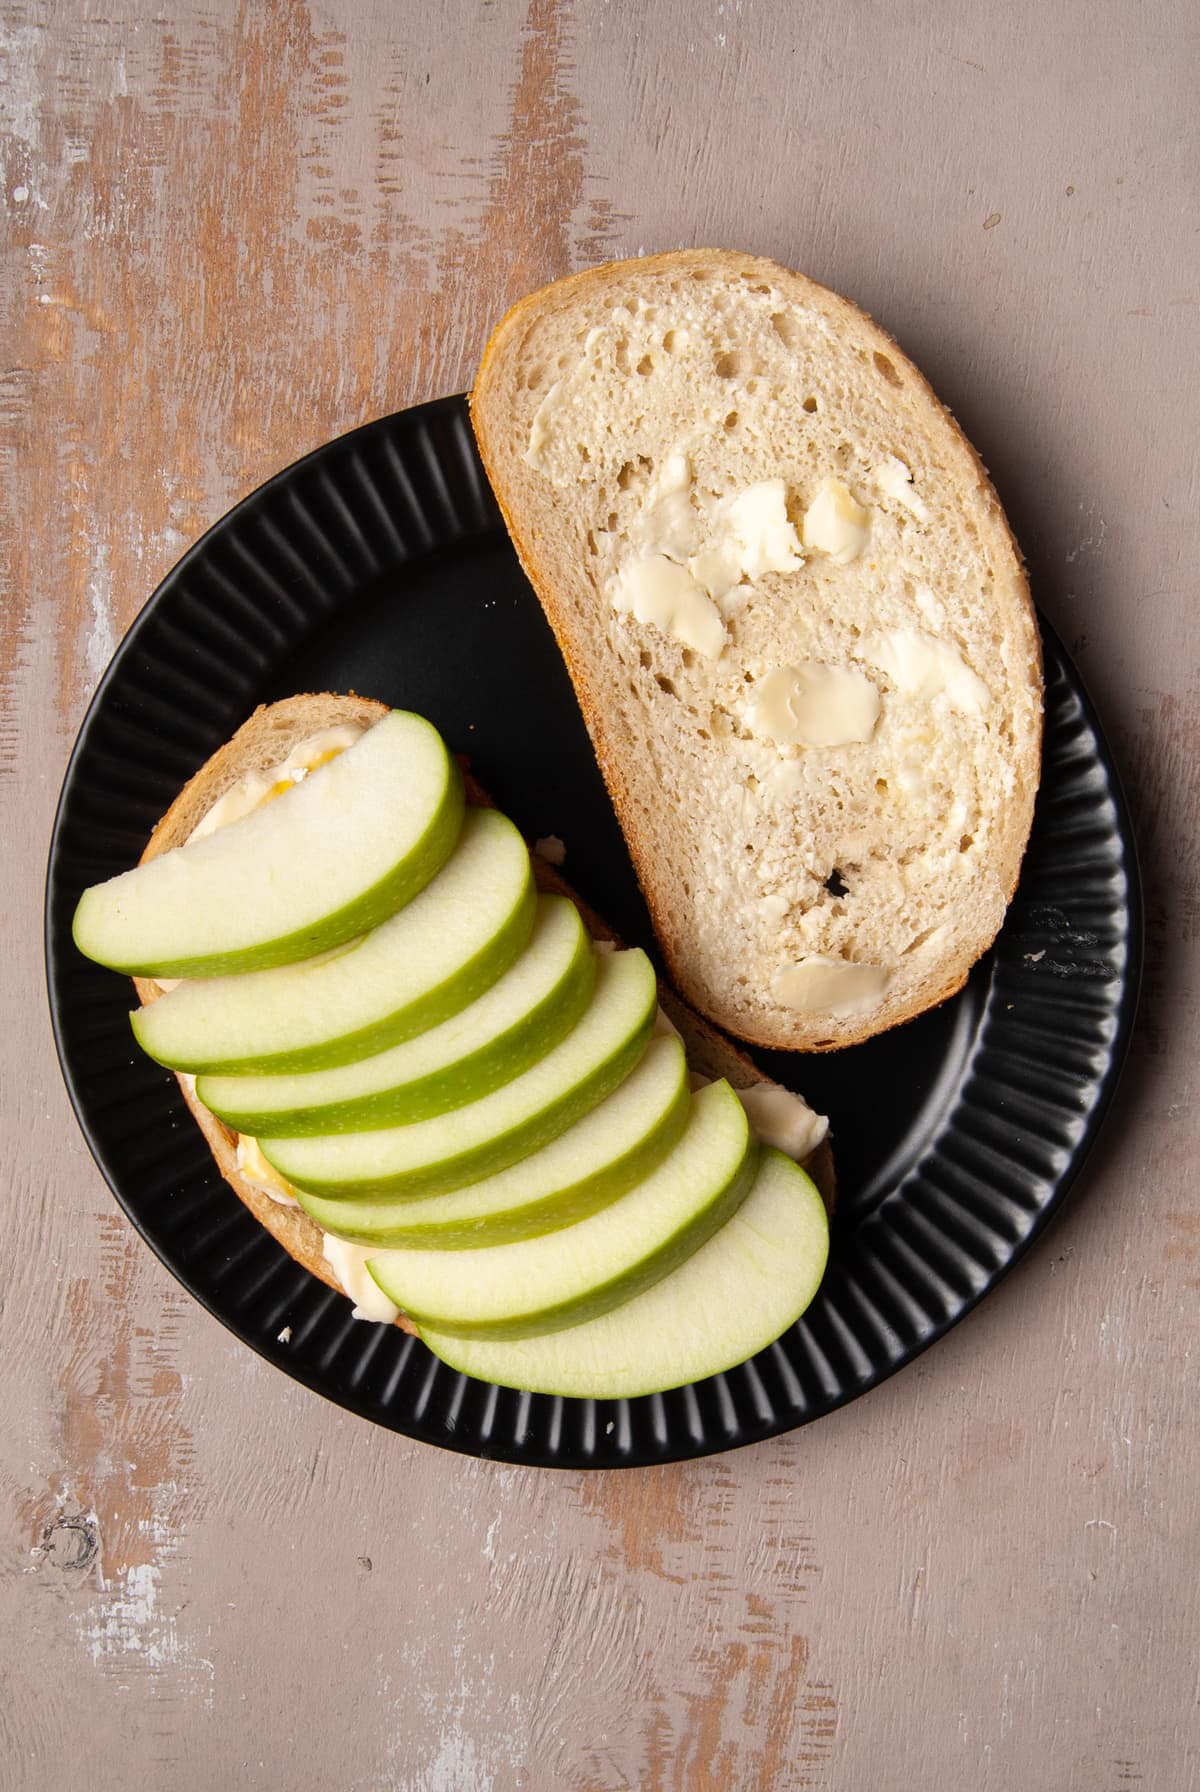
379	563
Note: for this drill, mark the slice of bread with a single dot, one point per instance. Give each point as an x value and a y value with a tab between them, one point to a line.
797	625
260	745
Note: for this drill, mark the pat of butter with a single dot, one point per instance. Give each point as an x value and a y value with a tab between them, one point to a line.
829	985
782	1119
835	524
540	428
757	521
895	481
668	523
256	788
718	569
657	591
253	1166
813	705
349	1264
750	535
919	665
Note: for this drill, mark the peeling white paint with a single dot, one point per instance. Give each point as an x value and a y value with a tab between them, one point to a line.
457	1766
127	1621
125	1626
473	1740
101	640
21	111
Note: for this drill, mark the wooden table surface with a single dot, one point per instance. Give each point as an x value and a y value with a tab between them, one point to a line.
231	231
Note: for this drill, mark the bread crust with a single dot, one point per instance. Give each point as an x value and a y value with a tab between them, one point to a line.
262	742
489	404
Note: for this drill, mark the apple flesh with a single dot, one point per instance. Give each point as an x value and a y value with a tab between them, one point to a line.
732	1298
441	951
591	1164
341	852
513	1024
543	1284
510	1123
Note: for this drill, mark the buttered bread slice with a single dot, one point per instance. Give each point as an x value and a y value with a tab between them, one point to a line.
797	625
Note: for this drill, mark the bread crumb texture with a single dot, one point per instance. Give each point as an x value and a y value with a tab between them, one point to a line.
797	623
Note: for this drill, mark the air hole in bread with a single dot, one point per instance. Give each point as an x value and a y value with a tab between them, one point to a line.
966	843
585	453
645	365
645	660
665	684
723	724
836	884
731	421
882	787
622	354
750	782
610	521
887	369
843	455
914	945
671	341
786	328
688	657
535	378
592	546
810	404
730	365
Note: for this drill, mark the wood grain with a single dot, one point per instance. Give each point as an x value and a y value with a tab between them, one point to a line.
234	230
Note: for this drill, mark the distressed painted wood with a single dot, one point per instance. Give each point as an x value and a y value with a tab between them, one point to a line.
231	231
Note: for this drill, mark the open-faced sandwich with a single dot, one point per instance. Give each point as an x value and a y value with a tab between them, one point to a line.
437	1081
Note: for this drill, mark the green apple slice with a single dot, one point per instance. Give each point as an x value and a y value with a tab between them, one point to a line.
502	1032
510	1123
440	952
543	1284
732	1298
333	857
594	1162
